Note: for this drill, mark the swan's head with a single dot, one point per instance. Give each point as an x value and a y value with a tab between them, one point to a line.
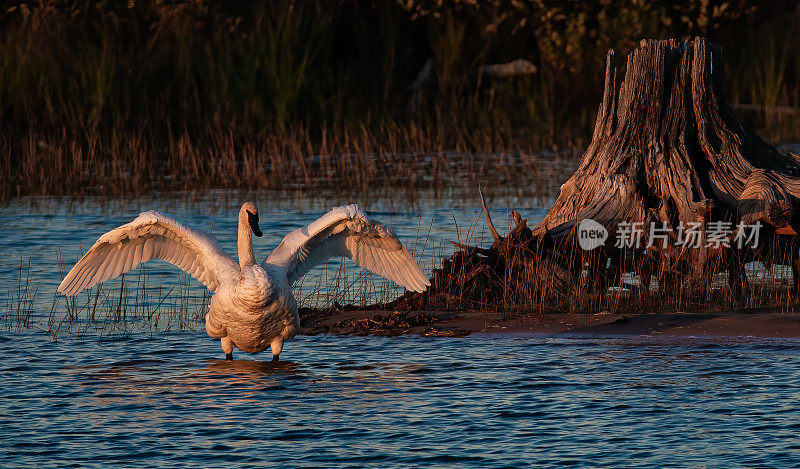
249	214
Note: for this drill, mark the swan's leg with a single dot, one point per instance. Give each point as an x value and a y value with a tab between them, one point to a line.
276	346
227	347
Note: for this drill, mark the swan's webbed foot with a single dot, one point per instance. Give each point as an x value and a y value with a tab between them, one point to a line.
276	346
227	347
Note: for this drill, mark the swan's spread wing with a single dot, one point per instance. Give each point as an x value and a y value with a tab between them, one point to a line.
348	232
152	235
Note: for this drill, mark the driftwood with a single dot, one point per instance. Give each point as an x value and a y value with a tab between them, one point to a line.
514	68
427	77
667	153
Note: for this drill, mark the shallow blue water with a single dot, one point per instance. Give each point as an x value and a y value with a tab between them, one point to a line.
166	400
36	231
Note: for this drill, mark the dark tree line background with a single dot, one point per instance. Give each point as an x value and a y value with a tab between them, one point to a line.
106	78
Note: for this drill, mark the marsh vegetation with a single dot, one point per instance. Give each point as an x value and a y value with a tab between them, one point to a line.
291	99
119	98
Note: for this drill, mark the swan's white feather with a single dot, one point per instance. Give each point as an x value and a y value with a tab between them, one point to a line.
152	235
252	307
347	231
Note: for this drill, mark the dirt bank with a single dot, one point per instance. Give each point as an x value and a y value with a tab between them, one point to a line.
756	323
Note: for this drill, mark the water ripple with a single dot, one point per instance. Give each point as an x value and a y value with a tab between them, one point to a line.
633	402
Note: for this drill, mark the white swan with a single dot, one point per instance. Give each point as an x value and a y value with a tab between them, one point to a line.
253	307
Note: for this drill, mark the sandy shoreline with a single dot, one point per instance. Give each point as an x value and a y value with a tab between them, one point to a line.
762	323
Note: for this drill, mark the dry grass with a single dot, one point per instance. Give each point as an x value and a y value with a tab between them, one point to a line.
118	100
141	302
135	164
521	275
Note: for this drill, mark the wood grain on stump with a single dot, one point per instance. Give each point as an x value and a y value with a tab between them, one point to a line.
667	149
668	152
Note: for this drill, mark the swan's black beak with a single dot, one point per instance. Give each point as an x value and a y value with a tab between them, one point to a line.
252	219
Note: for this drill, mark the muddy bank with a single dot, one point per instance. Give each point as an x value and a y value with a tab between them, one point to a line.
756	323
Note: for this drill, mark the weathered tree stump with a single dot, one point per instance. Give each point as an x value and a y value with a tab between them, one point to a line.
668	151
667	155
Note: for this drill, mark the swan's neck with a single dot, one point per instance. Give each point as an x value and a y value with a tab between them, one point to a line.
246	256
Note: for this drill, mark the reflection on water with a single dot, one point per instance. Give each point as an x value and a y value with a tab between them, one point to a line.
367	401
250	368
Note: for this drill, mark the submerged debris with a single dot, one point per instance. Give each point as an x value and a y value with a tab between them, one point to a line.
393	324
437	332
381	323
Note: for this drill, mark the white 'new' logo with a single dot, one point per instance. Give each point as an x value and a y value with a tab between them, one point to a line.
591	234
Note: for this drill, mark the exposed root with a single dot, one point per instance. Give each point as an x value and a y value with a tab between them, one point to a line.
489	223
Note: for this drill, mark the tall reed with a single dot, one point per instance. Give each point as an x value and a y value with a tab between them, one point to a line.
116	98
